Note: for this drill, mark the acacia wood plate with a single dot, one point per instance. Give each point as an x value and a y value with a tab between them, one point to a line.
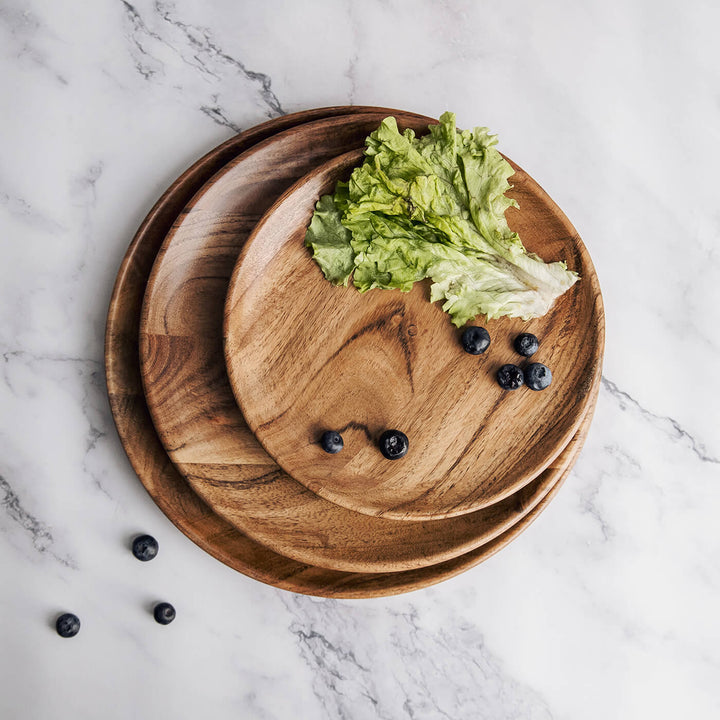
305	356
193	407
166	486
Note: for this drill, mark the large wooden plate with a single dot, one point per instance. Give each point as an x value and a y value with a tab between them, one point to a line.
193	407
167	487
304	356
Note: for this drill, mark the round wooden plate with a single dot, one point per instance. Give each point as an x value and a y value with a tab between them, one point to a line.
305	356
193	407
165	485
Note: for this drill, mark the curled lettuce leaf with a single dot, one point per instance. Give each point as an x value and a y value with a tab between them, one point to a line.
434	207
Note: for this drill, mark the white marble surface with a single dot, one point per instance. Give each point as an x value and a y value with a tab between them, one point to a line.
607	606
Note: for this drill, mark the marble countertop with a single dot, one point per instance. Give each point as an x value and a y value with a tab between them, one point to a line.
607	606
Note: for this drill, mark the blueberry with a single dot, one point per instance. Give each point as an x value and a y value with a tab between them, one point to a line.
332	442
537	376
145	547
164	613
67	625
510	377
475	340
526	344
394	444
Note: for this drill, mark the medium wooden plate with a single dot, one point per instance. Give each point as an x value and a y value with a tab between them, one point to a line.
306	356
166	486
193	407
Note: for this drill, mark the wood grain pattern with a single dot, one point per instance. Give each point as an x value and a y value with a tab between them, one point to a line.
304	356
166	486
195	413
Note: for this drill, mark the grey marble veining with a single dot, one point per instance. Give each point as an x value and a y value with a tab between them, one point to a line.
607	606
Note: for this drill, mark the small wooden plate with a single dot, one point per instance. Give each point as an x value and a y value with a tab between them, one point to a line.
193	407
306	356
166	486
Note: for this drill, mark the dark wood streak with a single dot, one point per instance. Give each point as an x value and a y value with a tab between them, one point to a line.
358	426
403	337
267	478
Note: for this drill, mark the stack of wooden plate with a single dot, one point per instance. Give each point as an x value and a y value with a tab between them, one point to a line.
228	354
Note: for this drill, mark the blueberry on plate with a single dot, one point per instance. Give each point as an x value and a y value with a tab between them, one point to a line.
475	340
510	377
332	442
145	547
164	613
526	344
67	625
394	444
537	376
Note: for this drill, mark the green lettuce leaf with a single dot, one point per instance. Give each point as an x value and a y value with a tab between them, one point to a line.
331	242
434	207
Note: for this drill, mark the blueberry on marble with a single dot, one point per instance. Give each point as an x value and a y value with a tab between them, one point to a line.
164	613
67	625
510	377
145	547
332	442
537	376
475	340
394	444
526	344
